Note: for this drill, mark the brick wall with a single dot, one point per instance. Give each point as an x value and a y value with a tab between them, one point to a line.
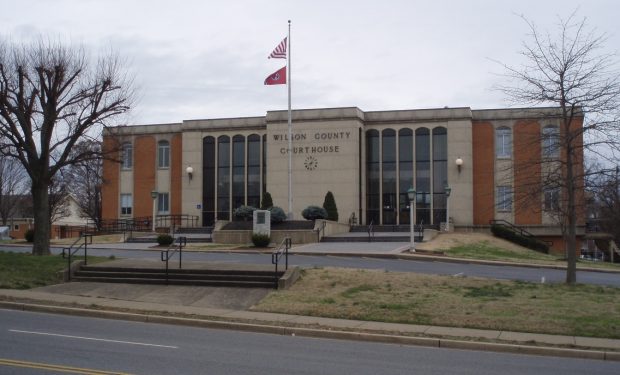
483	151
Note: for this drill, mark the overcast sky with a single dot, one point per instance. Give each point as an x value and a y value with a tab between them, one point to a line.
208	59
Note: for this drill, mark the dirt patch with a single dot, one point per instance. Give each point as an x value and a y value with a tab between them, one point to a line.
445	241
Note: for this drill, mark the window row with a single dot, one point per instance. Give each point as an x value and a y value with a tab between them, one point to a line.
163	155
163	204
550	142
398	161
234	174
504	199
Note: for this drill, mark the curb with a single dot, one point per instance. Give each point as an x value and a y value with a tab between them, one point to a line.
435	258
319	333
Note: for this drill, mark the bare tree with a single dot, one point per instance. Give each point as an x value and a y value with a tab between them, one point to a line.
605	189
568	71
52	97
12	186
58	197
87	178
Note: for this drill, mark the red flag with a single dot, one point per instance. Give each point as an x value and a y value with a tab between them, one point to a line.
280	51
277	78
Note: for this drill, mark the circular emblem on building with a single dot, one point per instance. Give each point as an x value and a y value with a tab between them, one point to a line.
311	163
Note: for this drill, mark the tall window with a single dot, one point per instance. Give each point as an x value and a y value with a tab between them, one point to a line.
238	172
126	204
389	176
503	142
223	177
504	198
552	199
208	181
253	183
423	175
163	154
162	203
373	177
127	154
440	173
405	172
551	141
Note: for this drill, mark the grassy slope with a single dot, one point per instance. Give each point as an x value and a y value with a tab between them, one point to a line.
581	310
24	271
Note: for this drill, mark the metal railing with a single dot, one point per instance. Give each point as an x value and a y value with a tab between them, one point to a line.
320	233
69	252
145	223
519	230
352	219
281	251
167	254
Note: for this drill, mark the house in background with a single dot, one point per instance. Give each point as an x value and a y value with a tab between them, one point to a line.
69	220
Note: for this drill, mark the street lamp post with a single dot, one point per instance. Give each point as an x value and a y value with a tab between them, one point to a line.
411	195
448	190
154	194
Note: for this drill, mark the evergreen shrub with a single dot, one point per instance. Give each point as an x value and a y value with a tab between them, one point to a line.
314	212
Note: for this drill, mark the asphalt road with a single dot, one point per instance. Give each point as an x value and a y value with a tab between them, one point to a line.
396	265
32	342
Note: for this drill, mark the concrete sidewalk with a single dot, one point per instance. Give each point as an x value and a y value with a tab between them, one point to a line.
162	306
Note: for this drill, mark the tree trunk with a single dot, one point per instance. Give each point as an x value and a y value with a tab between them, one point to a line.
42	224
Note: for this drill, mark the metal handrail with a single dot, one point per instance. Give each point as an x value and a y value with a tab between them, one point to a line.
352	219
68	252
181	241
519	230
277	254
371	231
321	229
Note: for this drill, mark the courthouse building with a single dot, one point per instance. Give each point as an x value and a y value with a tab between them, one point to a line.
368	160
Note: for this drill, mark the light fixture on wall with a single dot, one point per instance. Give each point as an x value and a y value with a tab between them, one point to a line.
190	172
459	163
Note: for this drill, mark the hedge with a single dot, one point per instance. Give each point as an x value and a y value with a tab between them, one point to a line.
314	212
165	239
260	240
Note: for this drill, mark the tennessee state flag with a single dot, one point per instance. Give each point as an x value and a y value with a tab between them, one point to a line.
277	78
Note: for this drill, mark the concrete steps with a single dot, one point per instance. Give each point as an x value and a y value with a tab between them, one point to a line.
196	277
194	230
365	239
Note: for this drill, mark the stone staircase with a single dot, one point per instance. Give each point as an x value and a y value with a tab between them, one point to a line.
196	277
382	233
193	235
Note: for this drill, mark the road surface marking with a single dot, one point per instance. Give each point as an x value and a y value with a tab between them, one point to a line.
56	368
92	339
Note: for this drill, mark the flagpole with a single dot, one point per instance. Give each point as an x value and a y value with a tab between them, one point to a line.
290	130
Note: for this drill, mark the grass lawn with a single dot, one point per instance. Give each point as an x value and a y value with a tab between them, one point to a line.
25	271
487	251
581	310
